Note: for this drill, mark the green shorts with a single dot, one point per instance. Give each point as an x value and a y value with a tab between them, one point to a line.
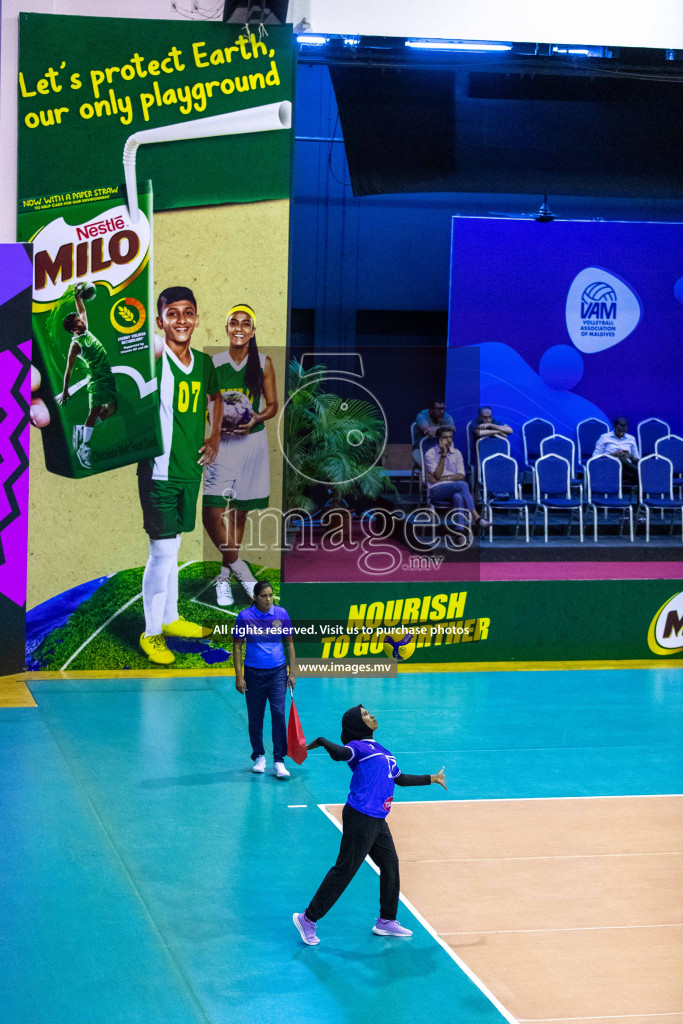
169	507
102	391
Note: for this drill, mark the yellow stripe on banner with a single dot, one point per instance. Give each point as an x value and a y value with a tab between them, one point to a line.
526	666
142	674
14	693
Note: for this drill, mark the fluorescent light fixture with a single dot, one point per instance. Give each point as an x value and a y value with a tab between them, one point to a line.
579	51
444	44
310	40
264	118
351	40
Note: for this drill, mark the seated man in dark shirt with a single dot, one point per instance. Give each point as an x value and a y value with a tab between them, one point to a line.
486	426
428	421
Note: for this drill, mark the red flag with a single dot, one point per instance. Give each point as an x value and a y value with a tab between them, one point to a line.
296	741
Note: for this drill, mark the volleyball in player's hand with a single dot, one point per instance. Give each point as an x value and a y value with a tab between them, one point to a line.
85	291
237	410
399	644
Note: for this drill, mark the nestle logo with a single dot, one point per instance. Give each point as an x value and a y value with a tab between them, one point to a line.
100	227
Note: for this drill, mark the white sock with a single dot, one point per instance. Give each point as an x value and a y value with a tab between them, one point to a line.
87	434
242	571
163	559
171	606
224	574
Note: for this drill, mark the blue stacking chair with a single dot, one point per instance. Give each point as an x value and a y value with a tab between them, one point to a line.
603	479
656	490
533	432
558	444
587	434
502	492
552	474
649	432
487	446
469	434
671	448
425	444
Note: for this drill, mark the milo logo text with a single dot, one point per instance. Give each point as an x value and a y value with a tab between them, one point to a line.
84	258
106	249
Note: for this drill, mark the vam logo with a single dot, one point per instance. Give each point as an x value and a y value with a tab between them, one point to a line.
599	302
665	635
601	310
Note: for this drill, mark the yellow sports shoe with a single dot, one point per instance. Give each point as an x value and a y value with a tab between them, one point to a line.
189	630
156	650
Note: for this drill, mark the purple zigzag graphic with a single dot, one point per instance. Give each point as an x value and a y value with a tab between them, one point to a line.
14	448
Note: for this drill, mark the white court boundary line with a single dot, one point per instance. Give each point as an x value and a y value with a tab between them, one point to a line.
536	799
549	856
426	925
619	1016
584	928
111	619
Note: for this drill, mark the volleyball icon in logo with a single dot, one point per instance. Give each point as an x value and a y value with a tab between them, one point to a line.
598	291
399	644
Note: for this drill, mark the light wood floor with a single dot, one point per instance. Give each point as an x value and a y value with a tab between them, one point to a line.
568	910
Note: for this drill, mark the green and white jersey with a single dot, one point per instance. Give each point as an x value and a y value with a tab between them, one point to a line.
231	377
183	395
94	355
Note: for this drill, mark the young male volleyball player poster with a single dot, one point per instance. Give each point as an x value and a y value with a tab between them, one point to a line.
201	217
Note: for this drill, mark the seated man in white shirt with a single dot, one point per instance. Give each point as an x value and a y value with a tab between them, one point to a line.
622	446
446	477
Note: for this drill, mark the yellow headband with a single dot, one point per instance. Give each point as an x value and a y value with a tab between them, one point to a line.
241	308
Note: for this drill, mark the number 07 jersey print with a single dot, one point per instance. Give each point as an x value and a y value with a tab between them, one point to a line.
372	785
183	395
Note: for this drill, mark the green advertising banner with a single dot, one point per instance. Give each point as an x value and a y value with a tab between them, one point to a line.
87	86
583	620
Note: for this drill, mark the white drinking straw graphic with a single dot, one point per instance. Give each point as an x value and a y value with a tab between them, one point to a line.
266	118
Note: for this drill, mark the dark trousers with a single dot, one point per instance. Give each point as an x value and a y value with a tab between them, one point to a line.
457	492
362	835
266	685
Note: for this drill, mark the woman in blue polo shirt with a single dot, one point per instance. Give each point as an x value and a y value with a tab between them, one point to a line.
365	831
267	630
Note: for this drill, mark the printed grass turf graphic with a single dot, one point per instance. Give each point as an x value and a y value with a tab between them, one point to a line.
118	603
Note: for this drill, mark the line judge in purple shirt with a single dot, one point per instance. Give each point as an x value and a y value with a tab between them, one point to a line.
267	630
365	831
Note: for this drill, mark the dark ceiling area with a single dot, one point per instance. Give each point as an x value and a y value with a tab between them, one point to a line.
510	123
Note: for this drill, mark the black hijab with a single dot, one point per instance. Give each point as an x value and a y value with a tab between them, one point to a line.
353	726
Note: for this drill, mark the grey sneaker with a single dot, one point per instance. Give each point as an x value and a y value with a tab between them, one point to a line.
384	927
306	929
224	596
83	456
259	765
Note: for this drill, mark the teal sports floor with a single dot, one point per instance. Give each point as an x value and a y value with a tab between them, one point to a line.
148	877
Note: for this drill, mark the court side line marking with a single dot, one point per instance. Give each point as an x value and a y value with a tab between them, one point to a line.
111	619
297	805
618	1016
428	928
549	856
534	799
585	928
